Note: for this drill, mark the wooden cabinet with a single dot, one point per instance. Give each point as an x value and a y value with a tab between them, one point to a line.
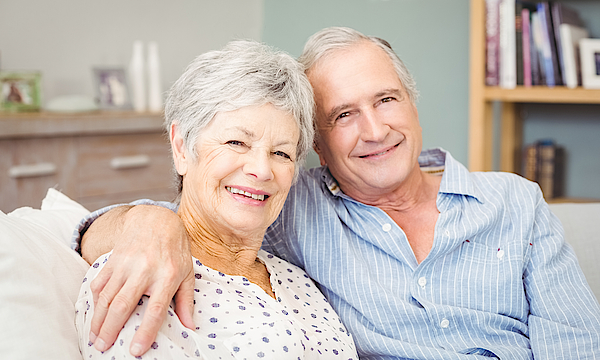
96	159
480	104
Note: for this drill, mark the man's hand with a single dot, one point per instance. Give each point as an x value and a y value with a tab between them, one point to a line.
151	257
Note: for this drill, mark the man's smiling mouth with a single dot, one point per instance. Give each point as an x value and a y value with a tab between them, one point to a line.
246	194
379	153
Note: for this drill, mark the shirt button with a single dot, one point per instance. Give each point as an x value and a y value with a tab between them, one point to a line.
422	281
386	227
447	232
445	323
500	254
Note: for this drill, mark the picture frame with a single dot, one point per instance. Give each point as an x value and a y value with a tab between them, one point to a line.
20	91
590	63
112	88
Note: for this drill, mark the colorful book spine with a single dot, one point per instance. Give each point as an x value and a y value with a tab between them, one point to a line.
492	71
544	163
508	54
562	14
537	57
525	41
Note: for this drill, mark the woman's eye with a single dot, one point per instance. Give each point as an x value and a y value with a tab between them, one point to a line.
282	154
235	142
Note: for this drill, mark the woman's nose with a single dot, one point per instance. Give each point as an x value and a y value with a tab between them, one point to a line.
258	165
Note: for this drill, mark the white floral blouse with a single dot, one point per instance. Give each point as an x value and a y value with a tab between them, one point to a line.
235	319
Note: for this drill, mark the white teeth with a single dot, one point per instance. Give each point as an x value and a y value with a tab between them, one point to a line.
245	193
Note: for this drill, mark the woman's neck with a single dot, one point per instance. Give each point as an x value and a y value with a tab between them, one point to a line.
228	253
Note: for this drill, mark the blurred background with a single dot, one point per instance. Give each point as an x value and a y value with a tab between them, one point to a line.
65	39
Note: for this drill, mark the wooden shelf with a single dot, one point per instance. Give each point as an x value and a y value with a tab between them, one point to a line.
543	94
481	129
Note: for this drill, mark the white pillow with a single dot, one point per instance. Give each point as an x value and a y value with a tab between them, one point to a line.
40	277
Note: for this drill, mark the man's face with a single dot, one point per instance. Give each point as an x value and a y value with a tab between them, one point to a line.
369	129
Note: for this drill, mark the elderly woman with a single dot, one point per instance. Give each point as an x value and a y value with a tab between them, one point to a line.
240	125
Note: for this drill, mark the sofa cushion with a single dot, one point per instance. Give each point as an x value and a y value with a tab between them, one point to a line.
582	230
40	277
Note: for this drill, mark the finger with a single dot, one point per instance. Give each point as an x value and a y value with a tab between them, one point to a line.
104	288
120	305
100	281
154	317
184	302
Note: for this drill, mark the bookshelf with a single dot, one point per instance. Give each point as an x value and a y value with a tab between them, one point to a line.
481	98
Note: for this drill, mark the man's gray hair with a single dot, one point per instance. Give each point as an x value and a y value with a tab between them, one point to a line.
243	73
334	38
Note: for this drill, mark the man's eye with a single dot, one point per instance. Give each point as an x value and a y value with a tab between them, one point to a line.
387	99
342	115
282	154
235	142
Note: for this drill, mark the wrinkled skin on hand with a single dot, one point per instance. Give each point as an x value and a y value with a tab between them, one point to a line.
151	256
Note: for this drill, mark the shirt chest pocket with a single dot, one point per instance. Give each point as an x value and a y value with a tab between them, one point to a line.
478	253
490	278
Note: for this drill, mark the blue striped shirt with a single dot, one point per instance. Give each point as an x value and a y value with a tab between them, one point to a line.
499	280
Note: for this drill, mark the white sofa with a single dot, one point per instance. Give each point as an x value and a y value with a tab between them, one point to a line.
40	275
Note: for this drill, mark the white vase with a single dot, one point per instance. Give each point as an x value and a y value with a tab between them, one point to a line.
155	95
137	76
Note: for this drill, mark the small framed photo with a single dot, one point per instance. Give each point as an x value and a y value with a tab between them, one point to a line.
20	91
590	63
112	89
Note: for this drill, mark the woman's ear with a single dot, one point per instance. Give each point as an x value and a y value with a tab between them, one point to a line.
180	158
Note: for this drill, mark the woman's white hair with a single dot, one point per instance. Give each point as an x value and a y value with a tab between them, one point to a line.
334	38
243	73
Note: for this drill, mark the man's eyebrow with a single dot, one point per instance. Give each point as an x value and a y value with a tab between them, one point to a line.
336	110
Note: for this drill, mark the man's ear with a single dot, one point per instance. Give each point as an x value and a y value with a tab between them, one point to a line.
180	158
317	149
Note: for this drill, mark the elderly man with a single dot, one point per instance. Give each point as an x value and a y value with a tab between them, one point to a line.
420	258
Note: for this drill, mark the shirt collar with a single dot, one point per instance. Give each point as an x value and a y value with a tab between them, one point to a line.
456	178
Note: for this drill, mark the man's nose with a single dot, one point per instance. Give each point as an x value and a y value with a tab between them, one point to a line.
373	127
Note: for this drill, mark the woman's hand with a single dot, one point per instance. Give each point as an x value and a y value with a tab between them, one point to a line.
151	257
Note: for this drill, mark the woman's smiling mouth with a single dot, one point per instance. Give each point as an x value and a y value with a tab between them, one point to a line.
247	194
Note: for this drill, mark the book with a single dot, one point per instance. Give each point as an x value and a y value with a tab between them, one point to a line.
524	48
521	20
562	14
530	162
544	163
550	60
508	55
570	36
519	41
537	67
551	169
492	38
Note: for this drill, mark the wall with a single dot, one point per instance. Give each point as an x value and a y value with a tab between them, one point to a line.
430	36
66	38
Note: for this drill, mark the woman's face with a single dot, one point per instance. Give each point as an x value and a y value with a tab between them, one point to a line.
243	171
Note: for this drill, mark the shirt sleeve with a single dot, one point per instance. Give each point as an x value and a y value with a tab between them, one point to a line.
85	223
564	315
